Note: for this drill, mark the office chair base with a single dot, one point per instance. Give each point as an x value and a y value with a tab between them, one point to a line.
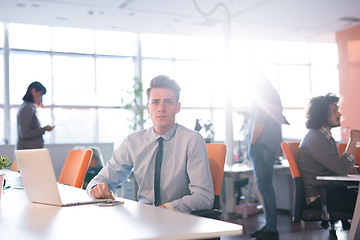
325	224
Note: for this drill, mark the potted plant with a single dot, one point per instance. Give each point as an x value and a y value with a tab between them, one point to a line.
3	164
136	105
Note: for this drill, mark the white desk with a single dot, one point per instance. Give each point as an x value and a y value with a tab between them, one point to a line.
356	216
20	219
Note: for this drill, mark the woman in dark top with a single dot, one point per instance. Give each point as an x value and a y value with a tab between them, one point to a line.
30	132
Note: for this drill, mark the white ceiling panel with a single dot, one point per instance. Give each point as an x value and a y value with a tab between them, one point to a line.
289	20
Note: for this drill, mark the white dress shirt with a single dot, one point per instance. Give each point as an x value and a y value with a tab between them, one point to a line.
186	183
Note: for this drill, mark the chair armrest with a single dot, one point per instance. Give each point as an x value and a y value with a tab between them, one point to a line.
209	213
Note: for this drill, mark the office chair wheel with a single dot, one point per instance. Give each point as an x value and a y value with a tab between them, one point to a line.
345	224
332	235
325	224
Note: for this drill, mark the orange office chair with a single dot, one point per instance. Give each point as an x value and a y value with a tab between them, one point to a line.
96	164
75	167
14	166
300	212
342	147
216	155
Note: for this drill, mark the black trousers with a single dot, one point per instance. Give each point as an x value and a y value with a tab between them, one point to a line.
342	199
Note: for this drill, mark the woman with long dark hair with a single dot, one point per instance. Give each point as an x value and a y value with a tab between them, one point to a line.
30	132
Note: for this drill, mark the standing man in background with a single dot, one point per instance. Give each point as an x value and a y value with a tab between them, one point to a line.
265	143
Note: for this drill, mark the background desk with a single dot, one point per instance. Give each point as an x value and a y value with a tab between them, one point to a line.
282	182
20	219
356	217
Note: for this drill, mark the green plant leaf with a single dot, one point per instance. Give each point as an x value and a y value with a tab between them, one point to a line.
4	162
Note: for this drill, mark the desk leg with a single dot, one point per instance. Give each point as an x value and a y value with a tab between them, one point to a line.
247	199
223	209
252	185
230	198
356	218
252	179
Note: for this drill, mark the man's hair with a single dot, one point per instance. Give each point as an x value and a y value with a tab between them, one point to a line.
318	110
38	87
163	81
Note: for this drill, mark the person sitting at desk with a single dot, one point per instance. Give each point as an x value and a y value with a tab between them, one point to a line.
318	156
182	182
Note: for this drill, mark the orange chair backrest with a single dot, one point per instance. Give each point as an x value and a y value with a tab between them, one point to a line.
342	147
291	150
75	167
216	155
14	166
357	156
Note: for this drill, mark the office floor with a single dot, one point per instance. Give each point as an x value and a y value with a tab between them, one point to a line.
287	229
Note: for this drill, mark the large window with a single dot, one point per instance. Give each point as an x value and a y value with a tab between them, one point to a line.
89	77
87	73
2	84
26	67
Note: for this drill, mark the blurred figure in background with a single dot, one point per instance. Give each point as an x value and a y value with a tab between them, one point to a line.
30	132
318	156
266	120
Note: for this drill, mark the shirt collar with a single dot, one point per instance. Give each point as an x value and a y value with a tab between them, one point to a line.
166	136
326	133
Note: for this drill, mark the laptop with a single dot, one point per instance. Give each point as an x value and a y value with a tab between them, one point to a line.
40	184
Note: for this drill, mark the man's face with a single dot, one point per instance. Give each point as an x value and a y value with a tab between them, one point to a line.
334	116
162	107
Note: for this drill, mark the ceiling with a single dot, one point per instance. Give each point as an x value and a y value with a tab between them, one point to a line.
286	20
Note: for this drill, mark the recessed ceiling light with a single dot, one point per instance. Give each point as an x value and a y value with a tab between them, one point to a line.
20	5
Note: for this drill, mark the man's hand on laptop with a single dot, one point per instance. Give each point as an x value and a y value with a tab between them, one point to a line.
102	190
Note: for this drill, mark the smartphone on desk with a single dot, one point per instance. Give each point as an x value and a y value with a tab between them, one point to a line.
109	204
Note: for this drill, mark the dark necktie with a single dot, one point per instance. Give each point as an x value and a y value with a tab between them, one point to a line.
158	161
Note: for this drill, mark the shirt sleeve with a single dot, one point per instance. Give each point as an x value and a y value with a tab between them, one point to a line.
330	159
116	170
348	156
200	181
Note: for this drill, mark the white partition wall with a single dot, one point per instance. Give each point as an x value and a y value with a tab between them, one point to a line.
59	152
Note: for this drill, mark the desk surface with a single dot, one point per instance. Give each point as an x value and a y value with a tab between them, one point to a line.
350	177
20	219
245	169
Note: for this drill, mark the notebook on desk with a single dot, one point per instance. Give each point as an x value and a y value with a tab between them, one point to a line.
40	182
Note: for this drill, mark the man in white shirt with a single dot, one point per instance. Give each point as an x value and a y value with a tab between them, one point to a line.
185	178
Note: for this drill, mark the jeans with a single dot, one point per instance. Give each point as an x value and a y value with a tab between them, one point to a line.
263	162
